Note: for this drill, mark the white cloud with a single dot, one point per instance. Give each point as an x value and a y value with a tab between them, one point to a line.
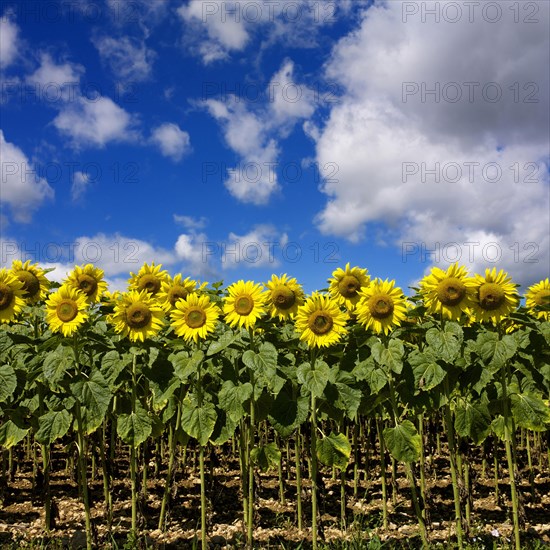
20	186
192	248
56	82
128	58
190	222
254	135
95	123
172	141
257	248
383	146
80	184
9	42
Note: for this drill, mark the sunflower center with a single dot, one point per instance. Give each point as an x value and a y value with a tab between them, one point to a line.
320	322
195	317
30	281
542	298
66	310
380	306
283	297
244	305
6	296
138	315
451	291
349	286
150	283
491	296
177	293
87	284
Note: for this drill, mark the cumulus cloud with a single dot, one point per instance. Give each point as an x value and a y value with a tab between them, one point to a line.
172	141
95	123
254	134
128	58
79	186
416	152
20	186
9	42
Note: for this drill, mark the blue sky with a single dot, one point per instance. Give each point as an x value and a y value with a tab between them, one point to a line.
236	139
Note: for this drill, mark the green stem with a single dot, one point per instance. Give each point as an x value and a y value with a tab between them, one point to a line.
82	468
133	453
299	478
383	472
313	452
203	499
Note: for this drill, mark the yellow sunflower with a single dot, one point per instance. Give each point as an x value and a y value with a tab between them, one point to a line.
382	306
12	292
66	310
245	304
33	278
149	278
495	296
284	297
449	293
320	321
539	295
195	317
89	280
137	315
346	285
172	290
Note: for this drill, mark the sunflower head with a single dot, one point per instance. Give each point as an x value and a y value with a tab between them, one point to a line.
89	280
244	304
66	310
195	317
148	278
320	321
449	292
284	297
173	290
382	306
539	295
137	315
495	296
33	278
346	284
12	292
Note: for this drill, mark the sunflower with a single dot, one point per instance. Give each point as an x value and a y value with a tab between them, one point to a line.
66	310
284	297
320	321
137	315
33	278
172	290
89	280
245	304
149	278
495	296
448	292
195	317
12	292
346	285
382	306
539	295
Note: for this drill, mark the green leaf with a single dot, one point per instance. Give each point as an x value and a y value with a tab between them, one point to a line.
473	420
226	339
112	364
390	357
445	344
264	362
403	442
314	380
8	382
288	412
56	365
95	397
134	428
494	351
232	398
197	421
11	434
334	450
185	366
530	411
52	426
426	370
265	457
349	399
